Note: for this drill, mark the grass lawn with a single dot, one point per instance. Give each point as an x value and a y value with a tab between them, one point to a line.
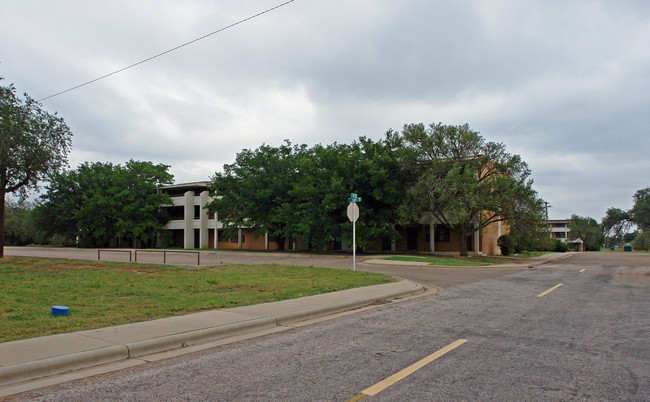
101	294
453	261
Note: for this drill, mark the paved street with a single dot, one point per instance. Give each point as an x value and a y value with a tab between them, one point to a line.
576	329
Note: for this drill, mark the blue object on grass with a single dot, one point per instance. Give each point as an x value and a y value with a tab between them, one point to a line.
59	310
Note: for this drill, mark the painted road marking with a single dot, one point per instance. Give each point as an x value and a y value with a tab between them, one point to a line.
382	385
550	290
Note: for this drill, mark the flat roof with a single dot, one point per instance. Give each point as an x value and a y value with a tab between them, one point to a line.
200	184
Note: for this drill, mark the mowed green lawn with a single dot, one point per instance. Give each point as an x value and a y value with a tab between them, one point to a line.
101	294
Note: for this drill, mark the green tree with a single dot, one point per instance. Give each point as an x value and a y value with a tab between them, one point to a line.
588	230
56	214
100	201
328	175
616	224
461	180
642	241
299	192
136	187
378	177
33	146
19	226
251	191
315	211
527	225
640	212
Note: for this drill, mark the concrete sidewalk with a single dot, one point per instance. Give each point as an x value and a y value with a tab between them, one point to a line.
44	356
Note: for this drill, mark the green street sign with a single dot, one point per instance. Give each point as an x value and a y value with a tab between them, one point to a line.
354	198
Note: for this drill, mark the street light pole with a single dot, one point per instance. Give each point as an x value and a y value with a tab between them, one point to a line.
548	225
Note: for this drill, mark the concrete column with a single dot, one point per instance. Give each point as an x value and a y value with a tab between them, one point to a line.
432	237
204	238
239	238
188	220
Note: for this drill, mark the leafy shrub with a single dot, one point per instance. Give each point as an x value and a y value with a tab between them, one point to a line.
560	246
506	243
642	241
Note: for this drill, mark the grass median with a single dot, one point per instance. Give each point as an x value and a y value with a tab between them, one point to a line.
454	261
101	294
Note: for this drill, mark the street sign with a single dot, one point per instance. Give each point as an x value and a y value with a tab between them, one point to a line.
353	215
353	212
354	198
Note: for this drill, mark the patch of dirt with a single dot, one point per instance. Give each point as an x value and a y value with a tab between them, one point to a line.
633	277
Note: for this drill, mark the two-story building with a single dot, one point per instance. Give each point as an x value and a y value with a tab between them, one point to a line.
190	224
559	229
192	227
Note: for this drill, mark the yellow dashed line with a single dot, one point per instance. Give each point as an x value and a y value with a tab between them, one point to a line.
550	290
382	385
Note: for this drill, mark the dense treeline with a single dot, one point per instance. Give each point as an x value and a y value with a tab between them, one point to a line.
98	202
448	174
300	192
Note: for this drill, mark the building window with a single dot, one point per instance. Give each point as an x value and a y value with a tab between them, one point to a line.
560	235
442	234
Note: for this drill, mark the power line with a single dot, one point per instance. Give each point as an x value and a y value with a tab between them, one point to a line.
168	51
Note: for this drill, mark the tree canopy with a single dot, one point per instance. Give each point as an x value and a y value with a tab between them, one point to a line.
617	223
640	212
300	192
34	145
100	201
463	181
251	191
588	230
19	226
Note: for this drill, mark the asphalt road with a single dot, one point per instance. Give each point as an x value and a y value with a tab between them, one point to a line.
575	330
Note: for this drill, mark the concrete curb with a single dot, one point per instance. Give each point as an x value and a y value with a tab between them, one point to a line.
255	318
169	342
58	364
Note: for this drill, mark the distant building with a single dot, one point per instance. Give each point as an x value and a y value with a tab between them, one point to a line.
190	224
192	227
560	230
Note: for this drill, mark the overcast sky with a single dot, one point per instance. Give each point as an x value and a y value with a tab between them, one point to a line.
564	84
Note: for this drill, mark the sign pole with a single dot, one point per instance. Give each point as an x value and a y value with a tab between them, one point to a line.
353	212
354	241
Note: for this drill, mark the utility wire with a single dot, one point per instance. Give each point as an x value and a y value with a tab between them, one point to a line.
167	51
